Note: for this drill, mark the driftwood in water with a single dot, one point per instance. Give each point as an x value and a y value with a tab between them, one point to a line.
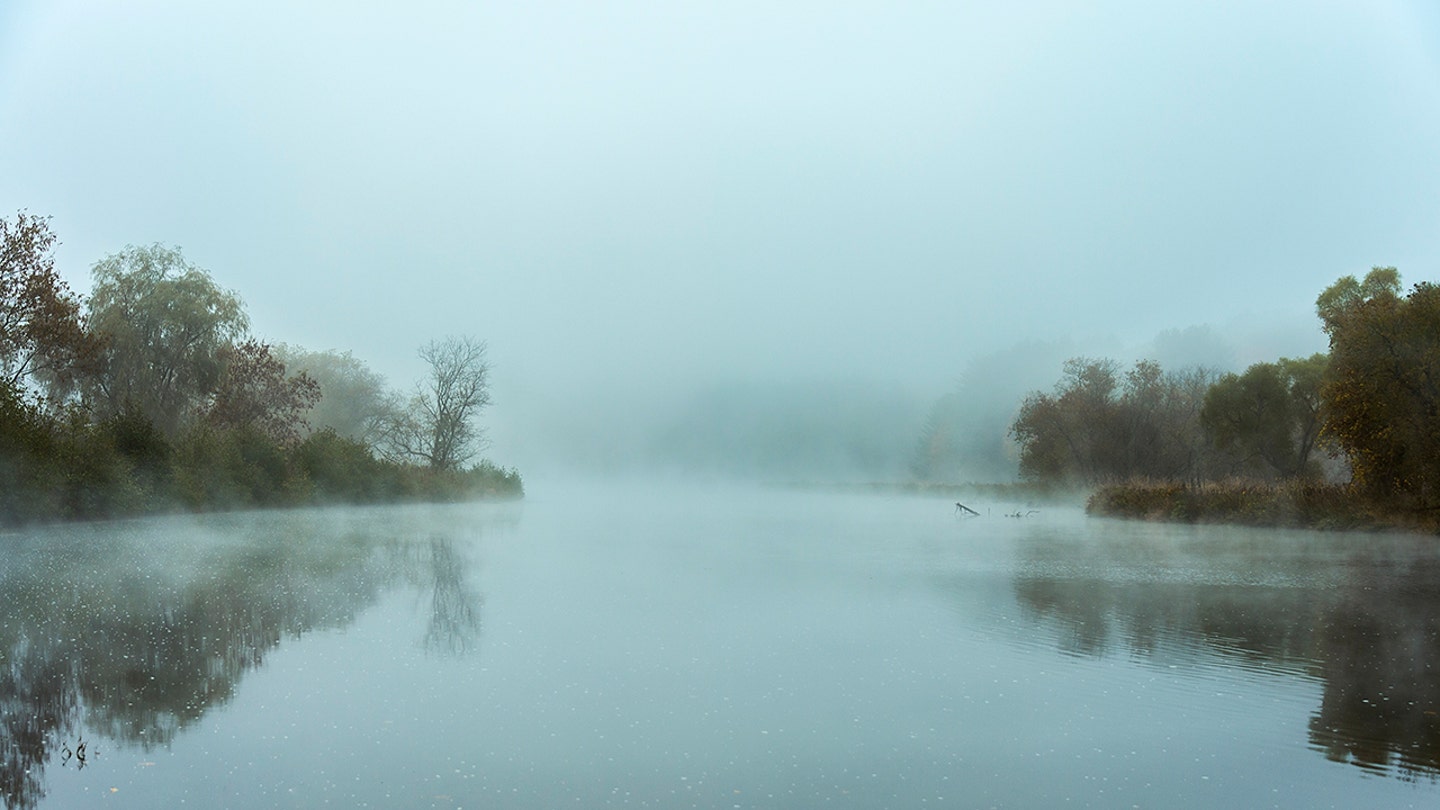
960	507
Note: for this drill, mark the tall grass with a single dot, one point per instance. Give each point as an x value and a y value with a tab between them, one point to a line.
1293	503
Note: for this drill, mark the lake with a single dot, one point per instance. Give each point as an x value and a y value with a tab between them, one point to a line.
640	645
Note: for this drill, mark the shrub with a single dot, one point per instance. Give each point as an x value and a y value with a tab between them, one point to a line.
28	479
343	470
236	468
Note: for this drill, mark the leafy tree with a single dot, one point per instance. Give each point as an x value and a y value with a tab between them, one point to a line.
41	336
255	393
354	401
1340	300
1305	377
1099	426
166	325
1156	424
1268	419
1188	454
439	428
1139	415
1382	393
1248	415
143	446
1155	427
1064	437
179	406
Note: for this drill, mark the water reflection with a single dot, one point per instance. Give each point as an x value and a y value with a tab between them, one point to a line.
134	631
1381	665
1357	613
454	626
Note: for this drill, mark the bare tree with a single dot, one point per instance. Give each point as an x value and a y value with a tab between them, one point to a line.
440	428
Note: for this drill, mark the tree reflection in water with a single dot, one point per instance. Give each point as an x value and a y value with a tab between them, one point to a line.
454	627
136	630
1381	665
1359	613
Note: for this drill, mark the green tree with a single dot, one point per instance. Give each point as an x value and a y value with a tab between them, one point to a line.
1341	300
1187	451
1100	426
1305	377
1382	393
1267	419
166	324
1065	437
1157	431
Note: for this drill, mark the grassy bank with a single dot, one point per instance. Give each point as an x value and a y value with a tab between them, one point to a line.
1293	504
52	470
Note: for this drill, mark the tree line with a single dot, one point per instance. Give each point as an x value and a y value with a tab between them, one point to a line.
1365	414
153	394
1100	425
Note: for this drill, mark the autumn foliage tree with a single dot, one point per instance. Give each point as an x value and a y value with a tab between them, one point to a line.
1382	392
256	393
42	340
48	464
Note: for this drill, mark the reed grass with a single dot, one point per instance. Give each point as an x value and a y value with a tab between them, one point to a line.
1296	504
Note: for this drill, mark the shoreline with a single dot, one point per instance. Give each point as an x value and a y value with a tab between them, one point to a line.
1282	505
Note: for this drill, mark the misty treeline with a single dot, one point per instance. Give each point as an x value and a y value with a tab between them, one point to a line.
1362	422
1102	424
152	394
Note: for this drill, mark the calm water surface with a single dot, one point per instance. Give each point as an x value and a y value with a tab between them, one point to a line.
635	646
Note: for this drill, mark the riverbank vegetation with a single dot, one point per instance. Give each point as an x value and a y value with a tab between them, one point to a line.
1291	502
1348	439
153	395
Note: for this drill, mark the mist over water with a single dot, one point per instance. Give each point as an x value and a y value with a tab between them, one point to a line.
640	643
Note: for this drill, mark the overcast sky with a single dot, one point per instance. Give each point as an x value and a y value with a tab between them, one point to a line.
640	197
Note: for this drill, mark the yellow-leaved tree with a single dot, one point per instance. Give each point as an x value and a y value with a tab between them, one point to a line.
1382	393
